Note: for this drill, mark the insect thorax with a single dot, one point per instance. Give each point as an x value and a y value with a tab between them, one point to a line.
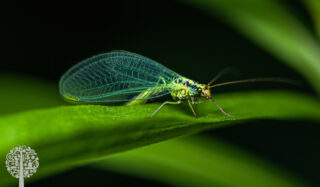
184	89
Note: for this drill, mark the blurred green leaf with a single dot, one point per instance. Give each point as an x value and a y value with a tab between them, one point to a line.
19	93
191	161
269	24
196	161
69	136
314	9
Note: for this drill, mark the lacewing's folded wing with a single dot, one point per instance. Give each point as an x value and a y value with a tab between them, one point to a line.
117	76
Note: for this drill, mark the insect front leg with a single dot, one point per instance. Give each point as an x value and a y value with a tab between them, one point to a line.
167	102
194	113
193	99
221	109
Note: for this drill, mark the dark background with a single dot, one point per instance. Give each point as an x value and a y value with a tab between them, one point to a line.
44	39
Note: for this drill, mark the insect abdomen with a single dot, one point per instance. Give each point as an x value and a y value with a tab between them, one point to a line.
70	97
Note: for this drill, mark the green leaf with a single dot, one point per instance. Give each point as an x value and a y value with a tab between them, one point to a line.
69	136
269	24
171	162
19	93
198	161
314	9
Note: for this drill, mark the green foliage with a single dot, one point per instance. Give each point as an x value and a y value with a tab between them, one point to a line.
19	93
69	136
198	161
314	9
269	24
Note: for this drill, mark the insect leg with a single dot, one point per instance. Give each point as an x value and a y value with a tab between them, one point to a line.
195	100
167	102
194	113
192	100
221	109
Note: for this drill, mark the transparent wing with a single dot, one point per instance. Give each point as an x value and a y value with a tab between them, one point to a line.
116	76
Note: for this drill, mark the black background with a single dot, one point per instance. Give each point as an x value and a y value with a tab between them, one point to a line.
44	39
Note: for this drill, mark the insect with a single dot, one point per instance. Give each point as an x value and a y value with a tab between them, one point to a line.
121	76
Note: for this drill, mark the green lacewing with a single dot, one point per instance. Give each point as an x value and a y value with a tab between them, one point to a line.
121	76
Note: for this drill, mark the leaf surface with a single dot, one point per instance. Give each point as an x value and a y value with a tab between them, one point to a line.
272	26
69	136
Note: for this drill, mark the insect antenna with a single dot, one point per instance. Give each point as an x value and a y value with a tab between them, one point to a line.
222	72
265	79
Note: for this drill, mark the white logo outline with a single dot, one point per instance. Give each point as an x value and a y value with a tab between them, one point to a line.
22	157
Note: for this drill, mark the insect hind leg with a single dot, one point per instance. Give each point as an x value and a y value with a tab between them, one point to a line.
166	102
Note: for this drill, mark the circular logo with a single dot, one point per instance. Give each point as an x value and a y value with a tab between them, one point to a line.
22	161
